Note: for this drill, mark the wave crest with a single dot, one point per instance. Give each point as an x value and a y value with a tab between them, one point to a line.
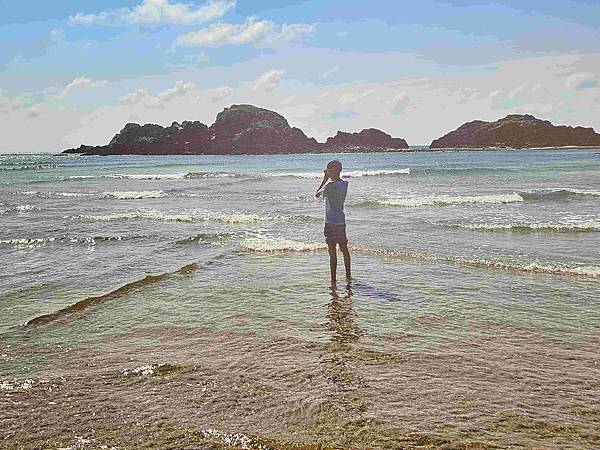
284	246
558	194
345	174
525	267
578	227
279	245
444	200
229	218
131	195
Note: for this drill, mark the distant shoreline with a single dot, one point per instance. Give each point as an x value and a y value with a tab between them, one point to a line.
511	149
416	149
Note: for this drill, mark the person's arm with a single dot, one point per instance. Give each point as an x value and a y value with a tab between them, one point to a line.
319	189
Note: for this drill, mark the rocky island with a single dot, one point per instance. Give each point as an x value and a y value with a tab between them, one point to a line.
516	131
369	139
239	129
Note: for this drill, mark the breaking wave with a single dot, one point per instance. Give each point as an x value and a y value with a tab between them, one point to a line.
443	200
19	209
44	194
147	176
113	295
284	246
211	175
81	177
208	237
565	227
558	194
172	176
345	174
278	245
525	267
130	195
231	218
26	242
28	167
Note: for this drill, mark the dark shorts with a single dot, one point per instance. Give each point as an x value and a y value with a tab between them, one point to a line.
335	233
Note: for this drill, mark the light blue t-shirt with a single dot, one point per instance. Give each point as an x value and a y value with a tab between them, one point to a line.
335	194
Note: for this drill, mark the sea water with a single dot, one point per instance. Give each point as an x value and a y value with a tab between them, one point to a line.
194	291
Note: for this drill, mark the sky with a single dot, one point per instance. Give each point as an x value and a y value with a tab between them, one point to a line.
74	72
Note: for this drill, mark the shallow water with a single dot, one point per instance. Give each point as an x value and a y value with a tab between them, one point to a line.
193	291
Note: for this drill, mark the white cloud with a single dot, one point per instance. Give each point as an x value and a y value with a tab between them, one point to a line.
269	80
151	12
512	94
288	100
577	78
495	93
141	95
331	71
180	88
399	102
290	32
252	31
353	97
57	35
220	93
79	83
134	97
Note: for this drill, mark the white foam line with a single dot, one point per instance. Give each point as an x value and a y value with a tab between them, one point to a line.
269	245
589	225
130	195
350	174
445	200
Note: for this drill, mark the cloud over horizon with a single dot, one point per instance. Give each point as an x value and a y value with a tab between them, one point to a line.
252	31
153	12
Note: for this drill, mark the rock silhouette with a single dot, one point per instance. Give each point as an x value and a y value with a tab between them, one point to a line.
239	129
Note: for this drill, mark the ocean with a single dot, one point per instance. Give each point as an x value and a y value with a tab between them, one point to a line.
185	302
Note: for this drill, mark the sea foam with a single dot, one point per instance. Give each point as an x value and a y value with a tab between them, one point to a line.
130	195
147	176
579	226
277	245
345	174
283	246
444	200
191	216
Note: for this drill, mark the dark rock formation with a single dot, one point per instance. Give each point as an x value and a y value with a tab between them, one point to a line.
239	129
151	139
246	129
369	139
516	131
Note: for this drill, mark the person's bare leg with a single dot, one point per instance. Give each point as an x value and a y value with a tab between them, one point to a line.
346	253
332	261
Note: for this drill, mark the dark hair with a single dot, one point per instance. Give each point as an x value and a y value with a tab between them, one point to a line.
335	165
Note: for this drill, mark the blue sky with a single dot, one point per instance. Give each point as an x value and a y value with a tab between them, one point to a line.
75	72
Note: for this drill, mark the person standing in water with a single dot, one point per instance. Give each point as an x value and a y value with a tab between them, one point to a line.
334	189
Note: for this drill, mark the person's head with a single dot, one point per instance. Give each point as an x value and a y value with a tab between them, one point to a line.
334	168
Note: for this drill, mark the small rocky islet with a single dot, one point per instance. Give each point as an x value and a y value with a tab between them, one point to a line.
516	131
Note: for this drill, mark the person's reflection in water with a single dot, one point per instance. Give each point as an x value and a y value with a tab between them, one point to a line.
341	357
